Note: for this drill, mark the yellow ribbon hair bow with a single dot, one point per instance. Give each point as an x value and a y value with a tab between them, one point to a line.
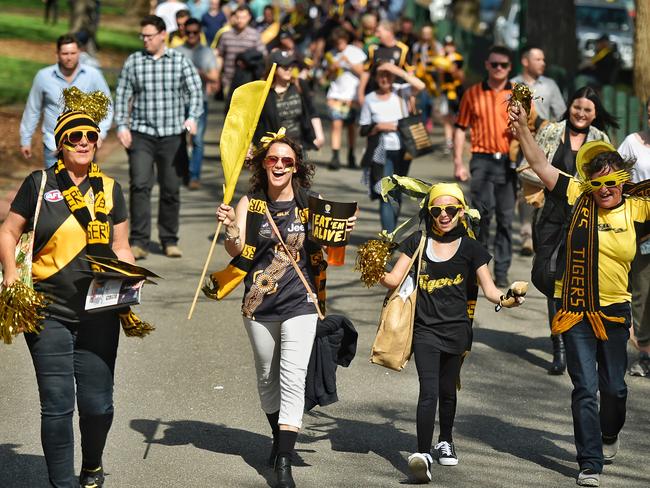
272	137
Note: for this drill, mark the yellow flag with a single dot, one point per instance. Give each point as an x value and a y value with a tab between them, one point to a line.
238	129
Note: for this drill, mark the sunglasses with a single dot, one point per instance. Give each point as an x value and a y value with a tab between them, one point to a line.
271	161
599	184
192	32
76	136
450	210
496	65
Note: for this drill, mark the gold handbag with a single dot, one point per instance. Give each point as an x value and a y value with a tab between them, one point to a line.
394	340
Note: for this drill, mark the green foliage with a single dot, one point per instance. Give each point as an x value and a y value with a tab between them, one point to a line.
21	26
16	78
111	7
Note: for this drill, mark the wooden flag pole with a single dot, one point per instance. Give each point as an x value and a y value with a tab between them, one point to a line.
205	270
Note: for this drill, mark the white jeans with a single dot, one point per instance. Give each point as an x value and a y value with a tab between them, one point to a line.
282	350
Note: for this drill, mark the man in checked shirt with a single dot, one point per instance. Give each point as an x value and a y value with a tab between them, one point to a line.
154	88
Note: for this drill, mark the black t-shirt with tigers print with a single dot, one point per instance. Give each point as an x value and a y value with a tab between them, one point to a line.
441	317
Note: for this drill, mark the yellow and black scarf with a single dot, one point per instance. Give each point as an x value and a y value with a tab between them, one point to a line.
98	229
225	281
580	295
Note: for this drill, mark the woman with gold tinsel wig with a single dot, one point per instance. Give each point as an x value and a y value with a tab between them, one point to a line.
83	212
452	264
592	298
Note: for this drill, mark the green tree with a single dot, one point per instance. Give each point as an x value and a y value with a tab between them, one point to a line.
642	50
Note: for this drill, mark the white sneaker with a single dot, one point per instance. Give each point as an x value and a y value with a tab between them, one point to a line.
420	466
446	453
610	450
588	477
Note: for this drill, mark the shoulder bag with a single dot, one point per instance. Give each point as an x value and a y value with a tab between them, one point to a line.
413	134
25	246
394	340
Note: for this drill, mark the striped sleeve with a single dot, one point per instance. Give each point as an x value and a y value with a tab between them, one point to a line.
465	112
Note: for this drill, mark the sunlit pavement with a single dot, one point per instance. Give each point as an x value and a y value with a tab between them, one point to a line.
187	412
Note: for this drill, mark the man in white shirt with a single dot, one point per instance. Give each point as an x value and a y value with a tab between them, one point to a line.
345	65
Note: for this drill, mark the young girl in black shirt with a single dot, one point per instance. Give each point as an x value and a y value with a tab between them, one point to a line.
452	265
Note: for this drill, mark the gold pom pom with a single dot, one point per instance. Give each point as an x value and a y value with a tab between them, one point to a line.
133	326
372	258
94	104
20	310
521	94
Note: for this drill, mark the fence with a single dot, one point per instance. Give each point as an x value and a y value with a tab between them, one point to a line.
629	110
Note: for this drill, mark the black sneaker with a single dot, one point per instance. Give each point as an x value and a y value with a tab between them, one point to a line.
91	478
446	453
640	367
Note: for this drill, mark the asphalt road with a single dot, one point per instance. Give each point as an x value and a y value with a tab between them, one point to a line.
187	411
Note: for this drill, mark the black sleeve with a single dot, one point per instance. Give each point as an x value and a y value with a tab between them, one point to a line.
480	255
24	203
410	245
561	187
119	211
305	93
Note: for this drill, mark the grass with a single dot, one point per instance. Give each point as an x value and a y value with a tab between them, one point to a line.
27	27
17	75
16	78
110	7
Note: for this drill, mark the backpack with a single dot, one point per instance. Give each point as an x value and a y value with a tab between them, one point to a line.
550	227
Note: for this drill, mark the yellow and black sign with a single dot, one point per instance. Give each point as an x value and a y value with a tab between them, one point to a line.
328	221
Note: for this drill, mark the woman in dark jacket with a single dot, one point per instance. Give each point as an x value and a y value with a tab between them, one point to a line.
289	105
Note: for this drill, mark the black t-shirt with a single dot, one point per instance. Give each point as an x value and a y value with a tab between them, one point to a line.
273	289
441	308
60	242
289	106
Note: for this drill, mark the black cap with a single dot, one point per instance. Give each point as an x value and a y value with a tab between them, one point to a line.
282	58
603	37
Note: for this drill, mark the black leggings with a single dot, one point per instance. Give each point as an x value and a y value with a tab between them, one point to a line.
437	372
64	354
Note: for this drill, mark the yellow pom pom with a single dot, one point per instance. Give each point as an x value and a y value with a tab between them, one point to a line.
20	310
94	104
372	258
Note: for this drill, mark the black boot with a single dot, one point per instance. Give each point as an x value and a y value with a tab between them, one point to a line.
275	429
559	357
283	472
335	163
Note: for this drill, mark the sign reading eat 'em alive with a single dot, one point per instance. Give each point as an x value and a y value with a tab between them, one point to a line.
328	221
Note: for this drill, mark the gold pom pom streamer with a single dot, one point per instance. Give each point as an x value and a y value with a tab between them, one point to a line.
133	326
372	258
94	104
20	310
521	95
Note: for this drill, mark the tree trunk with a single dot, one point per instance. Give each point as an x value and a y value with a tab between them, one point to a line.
140	8
551	25
642	51
84	17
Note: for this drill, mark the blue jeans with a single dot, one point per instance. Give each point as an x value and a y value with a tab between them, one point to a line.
198	147
597	366
49	157
65	354
389	212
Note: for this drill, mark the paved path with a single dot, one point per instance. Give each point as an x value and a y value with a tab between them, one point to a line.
187	412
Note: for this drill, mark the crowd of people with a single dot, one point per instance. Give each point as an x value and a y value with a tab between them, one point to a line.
372	68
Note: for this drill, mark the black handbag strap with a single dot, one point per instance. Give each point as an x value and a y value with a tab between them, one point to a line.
293	263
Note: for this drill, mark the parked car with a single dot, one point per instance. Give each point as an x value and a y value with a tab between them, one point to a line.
593	19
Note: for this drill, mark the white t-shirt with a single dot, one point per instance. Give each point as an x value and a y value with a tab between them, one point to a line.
632	146
167	11
344	87
392	109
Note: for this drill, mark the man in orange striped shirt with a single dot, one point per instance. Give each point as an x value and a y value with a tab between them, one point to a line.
483	109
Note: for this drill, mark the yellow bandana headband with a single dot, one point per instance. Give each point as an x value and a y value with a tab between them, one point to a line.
269	139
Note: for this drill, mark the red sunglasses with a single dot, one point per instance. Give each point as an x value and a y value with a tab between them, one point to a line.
287	161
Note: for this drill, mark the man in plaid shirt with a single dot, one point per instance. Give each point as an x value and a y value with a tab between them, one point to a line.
156	89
